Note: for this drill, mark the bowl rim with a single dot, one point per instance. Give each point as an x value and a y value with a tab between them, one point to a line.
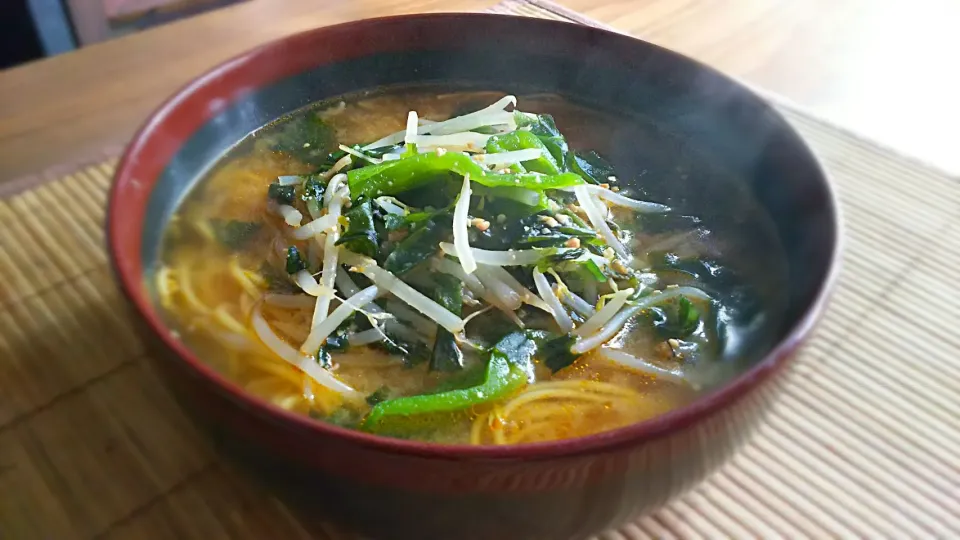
704	406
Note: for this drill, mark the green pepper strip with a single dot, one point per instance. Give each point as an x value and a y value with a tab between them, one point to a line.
522	140
410	173
503	378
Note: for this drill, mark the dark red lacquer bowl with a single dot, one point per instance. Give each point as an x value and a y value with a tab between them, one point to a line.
389	488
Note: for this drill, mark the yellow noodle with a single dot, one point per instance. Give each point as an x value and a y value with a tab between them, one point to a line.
295	332
553	415
583	384
246	305
487	420
283	370
288	383
241	277
256	279
299	319
548	410
289	402
499	436
228	321
186	289
535	395
166	286
205	230
232	362
476	428
264	386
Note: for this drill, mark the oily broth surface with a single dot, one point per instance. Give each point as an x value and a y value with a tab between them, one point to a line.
236	190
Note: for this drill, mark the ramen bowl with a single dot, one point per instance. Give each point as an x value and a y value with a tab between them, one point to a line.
396	488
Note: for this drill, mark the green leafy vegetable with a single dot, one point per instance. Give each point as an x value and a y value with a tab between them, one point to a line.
343	417
295	262
414	219
592	269
472	376
511	234
379	152
307	138
282	194
417	247
335	342
412	353
447	355
566	255
675	319
234	234
394	222
555	353
277	279
591	167
356	162
313	189
378	396
540	235
361	235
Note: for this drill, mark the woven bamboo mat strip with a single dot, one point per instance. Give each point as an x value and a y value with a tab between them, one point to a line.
862	444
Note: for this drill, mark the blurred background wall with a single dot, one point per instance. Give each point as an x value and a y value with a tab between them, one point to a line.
34	29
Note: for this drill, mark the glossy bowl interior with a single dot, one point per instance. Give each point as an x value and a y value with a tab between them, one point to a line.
709	119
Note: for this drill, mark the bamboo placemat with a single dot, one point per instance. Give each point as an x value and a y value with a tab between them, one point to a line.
864	443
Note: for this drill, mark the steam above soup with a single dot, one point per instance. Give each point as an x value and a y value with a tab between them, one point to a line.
466	277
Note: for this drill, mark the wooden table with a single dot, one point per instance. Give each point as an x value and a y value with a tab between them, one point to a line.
880	67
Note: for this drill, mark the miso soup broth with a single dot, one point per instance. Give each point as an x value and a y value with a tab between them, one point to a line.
444	267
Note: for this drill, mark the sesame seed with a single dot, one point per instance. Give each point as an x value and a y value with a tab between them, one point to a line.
673	286
441	151
480	224
572	243
549	221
